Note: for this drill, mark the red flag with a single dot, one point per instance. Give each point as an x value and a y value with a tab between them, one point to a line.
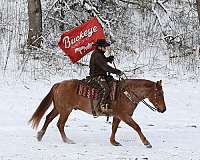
79	41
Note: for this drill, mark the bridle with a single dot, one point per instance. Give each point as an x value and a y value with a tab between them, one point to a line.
128	95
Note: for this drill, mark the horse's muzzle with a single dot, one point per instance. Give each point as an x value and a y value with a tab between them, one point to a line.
161	110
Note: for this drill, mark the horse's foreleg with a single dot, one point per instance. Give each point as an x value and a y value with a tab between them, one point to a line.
128	120
115	125
61	124
49	118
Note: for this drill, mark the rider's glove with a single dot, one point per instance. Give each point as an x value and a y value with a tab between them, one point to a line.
110	59
120	73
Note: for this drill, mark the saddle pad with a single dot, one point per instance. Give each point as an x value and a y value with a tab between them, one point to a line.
86	91
92	93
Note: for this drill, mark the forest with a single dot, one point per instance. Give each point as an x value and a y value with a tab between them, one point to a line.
152	35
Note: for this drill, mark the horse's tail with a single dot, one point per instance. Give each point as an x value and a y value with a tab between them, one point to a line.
44	105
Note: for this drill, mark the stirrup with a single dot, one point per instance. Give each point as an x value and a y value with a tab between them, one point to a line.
104	108
103	105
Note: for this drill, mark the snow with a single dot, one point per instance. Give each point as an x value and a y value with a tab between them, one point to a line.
173	134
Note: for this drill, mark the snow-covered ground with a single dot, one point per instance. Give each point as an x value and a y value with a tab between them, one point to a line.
173	134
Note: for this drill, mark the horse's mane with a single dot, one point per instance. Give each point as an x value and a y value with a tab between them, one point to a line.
135	83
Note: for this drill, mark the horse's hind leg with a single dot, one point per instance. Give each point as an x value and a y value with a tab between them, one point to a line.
49	118
61	124
115	125
128	120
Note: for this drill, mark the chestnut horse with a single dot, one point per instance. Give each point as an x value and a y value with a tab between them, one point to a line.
65	99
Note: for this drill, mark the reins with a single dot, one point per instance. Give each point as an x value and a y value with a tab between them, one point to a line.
148	105
127	94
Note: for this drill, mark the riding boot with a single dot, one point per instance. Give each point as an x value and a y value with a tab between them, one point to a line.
104	107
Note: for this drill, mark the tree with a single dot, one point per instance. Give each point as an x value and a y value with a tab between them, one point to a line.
35	23
198	9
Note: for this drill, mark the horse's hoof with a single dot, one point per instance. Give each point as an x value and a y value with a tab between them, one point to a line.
69	141
116	144
39	136
148	145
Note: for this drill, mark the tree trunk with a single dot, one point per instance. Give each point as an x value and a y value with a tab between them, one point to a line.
198	9
35	23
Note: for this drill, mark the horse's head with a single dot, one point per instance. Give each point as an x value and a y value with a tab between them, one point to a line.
156	97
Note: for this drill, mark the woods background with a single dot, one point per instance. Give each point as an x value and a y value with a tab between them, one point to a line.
147	36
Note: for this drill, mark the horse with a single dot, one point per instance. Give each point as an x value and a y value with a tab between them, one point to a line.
65	99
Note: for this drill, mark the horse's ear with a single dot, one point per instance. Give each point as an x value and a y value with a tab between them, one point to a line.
159	82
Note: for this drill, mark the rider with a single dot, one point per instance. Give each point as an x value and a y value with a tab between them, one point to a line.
99	69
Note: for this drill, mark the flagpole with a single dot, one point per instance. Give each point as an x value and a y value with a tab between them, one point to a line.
110	50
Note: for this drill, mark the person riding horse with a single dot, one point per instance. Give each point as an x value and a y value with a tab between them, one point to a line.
99	70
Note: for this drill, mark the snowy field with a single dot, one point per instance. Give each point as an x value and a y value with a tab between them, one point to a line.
173	134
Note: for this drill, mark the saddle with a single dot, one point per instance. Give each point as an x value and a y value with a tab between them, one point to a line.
90	89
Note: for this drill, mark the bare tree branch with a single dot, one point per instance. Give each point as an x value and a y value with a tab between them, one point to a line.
198	9
130	2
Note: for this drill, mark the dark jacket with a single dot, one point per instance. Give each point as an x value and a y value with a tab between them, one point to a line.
99	66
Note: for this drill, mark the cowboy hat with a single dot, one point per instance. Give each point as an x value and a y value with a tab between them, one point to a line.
102	43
